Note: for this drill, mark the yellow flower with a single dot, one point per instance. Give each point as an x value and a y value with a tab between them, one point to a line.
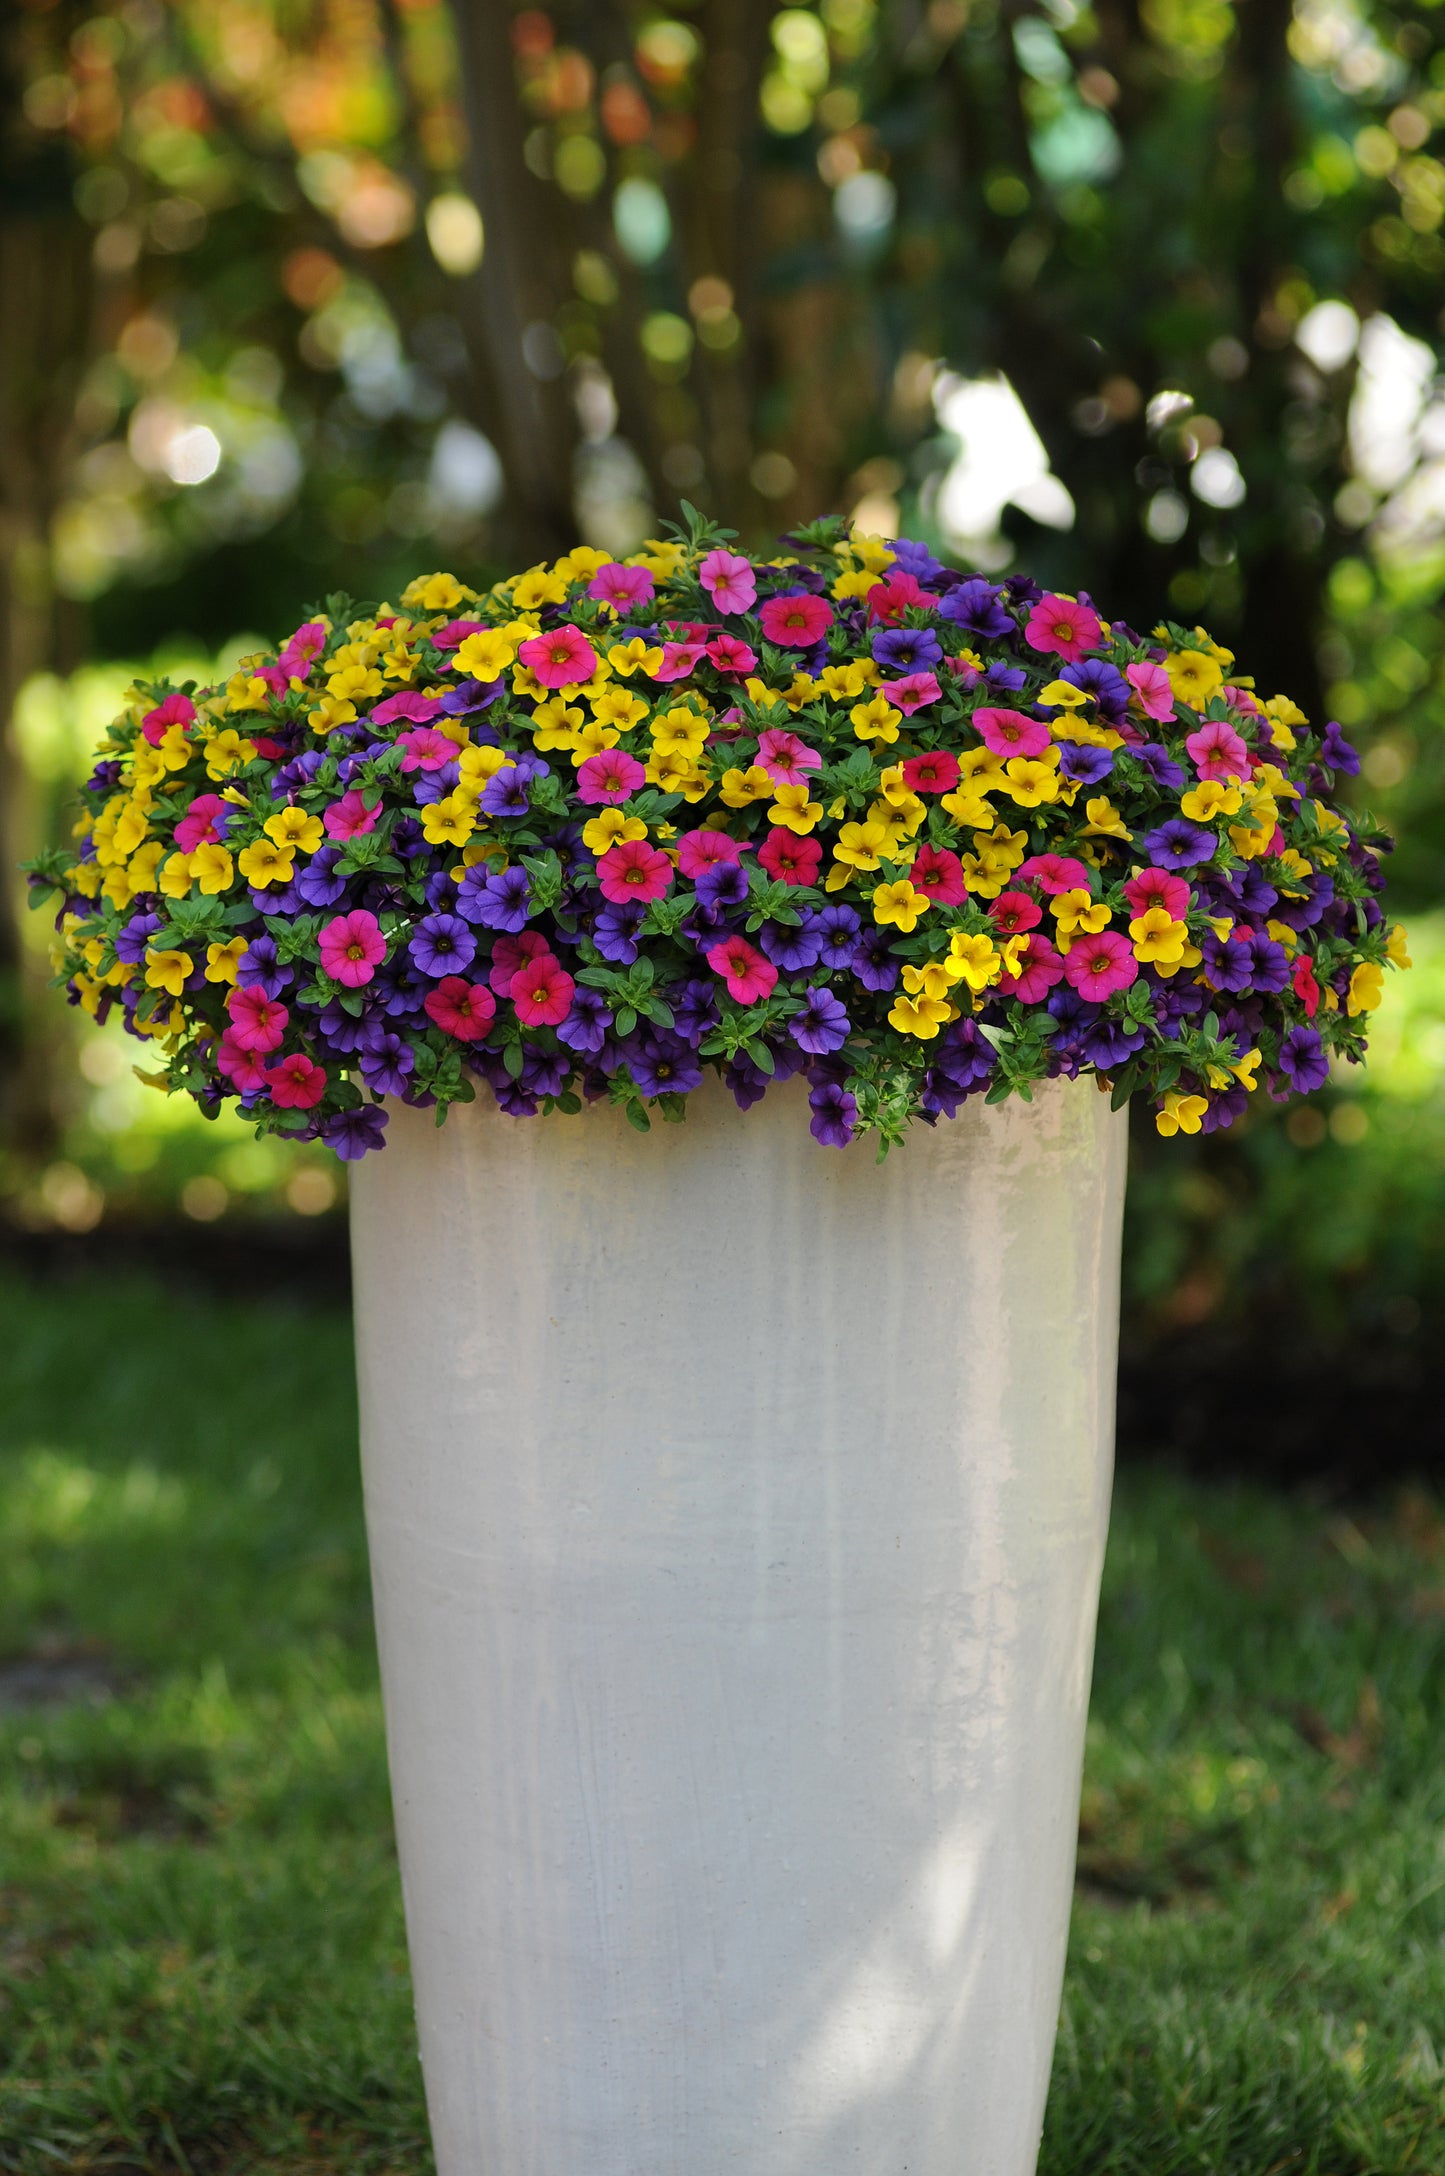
873	552
860	846
1211	798
679	728
634	656
1157	936
792	808
1063	695
537	587
354	683
228	751
1395	945
609	827
843	683
211	867
1367	987
436	593
167	970
738	789
660	555
1282	715
479	765
1028	780
555	723
295	828
1181	1113
672	770
900	903
592	739
485	656
265	863
1194	676
174	878
1077	912
222	960
855	582
976	958
327	714
246	691
876	719
968	809
615	706
582	562
1105	822
448	822
920	1016
1246	1068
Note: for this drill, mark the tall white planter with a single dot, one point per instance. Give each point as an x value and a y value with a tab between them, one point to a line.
736	1511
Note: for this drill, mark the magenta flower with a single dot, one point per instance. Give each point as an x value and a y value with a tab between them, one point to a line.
426	748
1054	873
934	772
1151	684
1101	963
542	990
700	850
749	977
633	871
461	1008
352	947
889	600
175	710
939	873
729	581
678	660
561	658
1218	752
1063	626
1014	912
915	691
510	953
1039	969
258	1022
244	1069
789	859
300	653
798	621
418	709
350	815
297	1083
731	654
1010	733
1151	887
454	634
786	759
624	588
203	823
611	776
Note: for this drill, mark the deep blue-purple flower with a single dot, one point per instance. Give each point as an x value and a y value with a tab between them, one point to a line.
1085	761
975	606
318	883
822	1026
907	649
387	1068
1337	751
442	944
724	884
1302	1059
835	1114
794	947
586	1025
615	933
353	1133
495	900
1179	844
260	969
837	928
506	794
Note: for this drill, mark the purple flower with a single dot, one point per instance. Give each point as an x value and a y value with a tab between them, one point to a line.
441	892
1174	1003
975	606
1160	765
260	968
130	945
835	1113
837	929
822	1026
1004	679
615	933
916	559
873	966
1112	1041
725	884
586	1025
1103	681
506	794
104	778
746	1082
530	767
694	1009
348	1032
907	649
1179	844
1224	1107
318	883
1302	1059
281	899
795	948
1229	962
1269	965
1085	761
663	1065
469	696
441	944
407	837
353	1133
1336	750
385	1067
965	1055
495	901
397	988
544	1072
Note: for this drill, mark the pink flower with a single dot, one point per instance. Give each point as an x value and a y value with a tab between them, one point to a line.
1064	625
510	953
461	1008
297	1083
426	749
454	634
245	1069
352	947
798	621
915	691
419	709
1100	963
678	660
934	772
1010	733
198	826
1151	887
729	581
623	588
258	1022
611	775
939	873
560	658
1013	912
699	850
175	710
789	859
786	759
633	870
300	653
1054	873
542	992
1306	988
889	600
731	654
1240	699
1217	751
747	974
1151	684
350	815
1039	969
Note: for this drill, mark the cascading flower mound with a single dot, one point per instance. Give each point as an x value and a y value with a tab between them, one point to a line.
847	812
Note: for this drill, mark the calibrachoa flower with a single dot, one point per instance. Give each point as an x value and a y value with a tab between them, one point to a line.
841	811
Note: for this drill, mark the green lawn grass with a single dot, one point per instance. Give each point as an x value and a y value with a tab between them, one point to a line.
202	1966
